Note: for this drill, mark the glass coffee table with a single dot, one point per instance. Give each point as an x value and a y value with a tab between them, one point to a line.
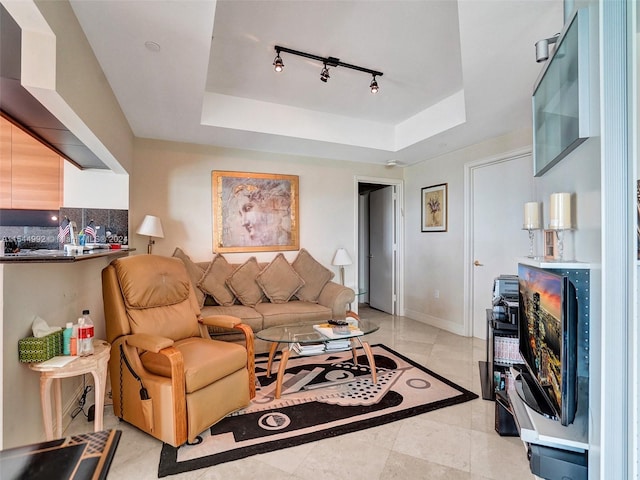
316	338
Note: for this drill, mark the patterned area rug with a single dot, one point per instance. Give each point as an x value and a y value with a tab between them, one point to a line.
323	396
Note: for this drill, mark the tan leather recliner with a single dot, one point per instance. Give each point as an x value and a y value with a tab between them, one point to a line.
168	377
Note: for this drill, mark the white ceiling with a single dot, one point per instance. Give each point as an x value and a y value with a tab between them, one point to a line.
455	73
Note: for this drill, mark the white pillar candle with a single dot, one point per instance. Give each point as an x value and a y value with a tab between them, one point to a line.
531	216
560	211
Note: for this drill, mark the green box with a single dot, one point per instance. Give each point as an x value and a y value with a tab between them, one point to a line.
39	349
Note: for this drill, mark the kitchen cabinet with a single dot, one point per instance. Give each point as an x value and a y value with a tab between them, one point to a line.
31	174
5	164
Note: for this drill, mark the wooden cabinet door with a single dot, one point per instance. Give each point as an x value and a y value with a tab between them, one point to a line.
36	173
5	163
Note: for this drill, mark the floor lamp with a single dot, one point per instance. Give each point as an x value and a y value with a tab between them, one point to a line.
151	226
340	259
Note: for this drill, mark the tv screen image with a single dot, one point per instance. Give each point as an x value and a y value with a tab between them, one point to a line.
547	338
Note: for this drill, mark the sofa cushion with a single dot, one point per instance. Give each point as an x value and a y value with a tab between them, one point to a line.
195	272
214	281
279	281
293	312
248	315
242	283
314	274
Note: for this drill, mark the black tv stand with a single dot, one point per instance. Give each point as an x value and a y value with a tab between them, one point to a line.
531	395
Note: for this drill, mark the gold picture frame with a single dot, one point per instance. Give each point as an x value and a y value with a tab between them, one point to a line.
434	208
254	212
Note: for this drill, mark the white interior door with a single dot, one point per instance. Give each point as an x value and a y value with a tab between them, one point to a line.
381	249
363	249
500	191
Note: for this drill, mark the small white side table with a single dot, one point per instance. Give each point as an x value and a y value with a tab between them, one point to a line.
95	364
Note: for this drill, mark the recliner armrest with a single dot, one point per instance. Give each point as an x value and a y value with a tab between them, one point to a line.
223	321
151	343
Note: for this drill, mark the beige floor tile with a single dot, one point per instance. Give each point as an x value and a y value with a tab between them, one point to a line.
435	442
343	458
405	467
499	458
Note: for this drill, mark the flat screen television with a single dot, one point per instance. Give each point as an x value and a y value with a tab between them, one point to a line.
547	333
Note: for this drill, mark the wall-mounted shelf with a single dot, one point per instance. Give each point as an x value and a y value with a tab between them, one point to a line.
537	429
542	262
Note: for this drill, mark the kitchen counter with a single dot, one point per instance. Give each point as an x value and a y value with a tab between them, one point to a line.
60	256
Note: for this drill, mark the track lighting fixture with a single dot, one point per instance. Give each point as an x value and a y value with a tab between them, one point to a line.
542	48
278	66
324	74
374	85
327	62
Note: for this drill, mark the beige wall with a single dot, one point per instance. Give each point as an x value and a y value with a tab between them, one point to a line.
435	262
56	293
173	181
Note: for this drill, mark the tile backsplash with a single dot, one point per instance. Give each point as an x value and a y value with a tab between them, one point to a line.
31	230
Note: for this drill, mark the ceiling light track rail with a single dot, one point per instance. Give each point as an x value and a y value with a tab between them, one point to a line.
330	61
327	62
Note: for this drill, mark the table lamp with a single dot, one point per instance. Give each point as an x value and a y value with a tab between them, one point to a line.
151	226
341	258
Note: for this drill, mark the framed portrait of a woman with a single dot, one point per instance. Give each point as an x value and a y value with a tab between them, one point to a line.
254	212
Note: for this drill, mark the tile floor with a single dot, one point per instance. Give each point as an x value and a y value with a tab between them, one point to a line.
452	443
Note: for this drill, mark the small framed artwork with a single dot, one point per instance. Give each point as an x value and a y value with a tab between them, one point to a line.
550	245
254	212
434	208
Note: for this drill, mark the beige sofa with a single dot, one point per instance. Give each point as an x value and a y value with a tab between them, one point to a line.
267	294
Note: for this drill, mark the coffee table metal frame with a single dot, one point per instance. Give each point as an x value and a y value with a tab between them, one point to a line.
305	334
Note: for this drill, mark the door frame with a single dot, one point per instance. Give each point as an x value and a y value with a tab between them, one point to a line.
468	225
398	233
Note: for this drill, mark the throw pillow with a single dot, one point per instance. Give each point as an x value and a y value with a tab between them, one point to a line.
242	283
214	280
195	272
279	281
314	275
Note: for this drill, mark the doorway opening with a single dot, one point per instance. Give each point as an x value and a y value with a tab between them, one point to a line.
378	250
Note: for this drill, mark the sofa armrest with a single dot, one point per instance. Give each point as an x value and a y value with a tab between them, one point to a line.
336	297
151	343
222	321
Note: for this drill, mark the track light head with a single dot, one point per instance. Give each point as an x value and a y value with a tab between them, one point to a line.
542	48
324	74
278	65
374	85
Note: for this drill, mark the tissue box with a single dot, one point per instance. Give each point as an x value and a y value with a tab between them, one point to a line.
33	349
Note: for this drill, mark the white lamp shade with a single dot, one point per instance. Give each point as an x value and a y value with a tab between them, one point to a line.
151	226
341	258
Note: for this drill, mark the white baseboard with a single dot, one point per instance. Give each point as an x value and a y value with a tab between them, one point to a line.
456	328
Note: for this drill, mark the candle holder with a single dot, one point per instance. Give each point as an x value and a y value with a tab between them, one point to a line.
560	238
560	218
531	222
532	235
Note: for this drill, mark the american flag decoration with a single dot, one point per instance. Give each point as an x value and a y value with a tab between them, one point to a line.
63	230
90	230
